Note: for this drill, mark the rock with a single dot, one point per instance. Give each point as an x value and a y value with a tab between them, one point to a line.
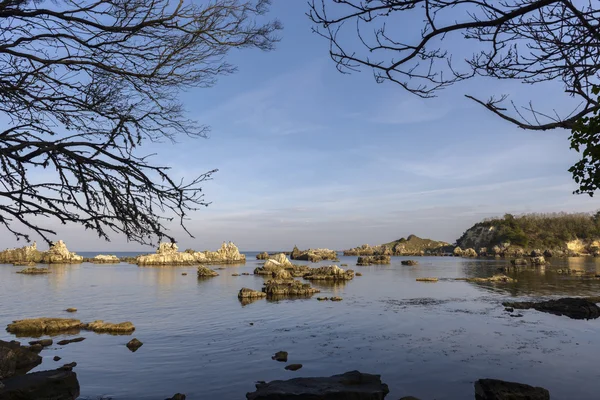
177	396
71	309
56	358
24	264
494	389
352	385
293	367
44	385
457	252
358	274
335	299
184	274
409	262
536	253
370	260
105	259
68	367
469	253
509	309
313	255
67	341
168	254
36	348
235	274
493	279
410	246
427	279
39	326
205	272
281	274
572	307
246	293
279	288
538	260
281	356
245	273
21	256
34	271
519	261
134	344
16	359
332	272
43	342
59	254
100	326
262	256
322	298
274	264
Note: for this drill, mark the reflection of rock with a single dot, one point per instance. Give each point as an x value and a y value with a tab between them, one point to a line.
205	272
576	308
332	272
313	255
105	259
168	254
351	385
41	326
59	254
370	260
282	288
34	271
493	389
493	279
16	359
24	264
47	385
100	326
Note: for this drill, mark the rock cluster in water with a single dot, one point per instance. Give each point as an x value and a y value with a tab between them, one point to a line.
370	260
313	255
329	273
168	254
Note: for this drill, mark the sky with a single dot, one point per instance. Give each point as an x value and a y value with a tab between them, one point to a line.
311	157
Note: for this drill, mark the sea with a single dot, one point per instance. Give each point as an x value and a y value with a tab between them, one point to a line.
428	340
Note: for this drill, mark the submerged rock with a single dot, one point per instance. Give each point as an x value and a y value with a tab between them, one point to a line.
71	309
293	367
494	389
427	279
68	341
169	254
493	279
313	255
134	344
100	326
281	356
44	385
575	308
281	288
370	260
246	293
205	272
16	359
34	271
331	272
39	326
409	262
351	385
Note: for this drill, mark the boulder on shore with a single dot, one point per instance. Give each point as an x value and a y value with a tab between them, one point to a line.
59	384
370	260
331	273
350	385
572	307
16	359
313	255
40	326
494	389
169	254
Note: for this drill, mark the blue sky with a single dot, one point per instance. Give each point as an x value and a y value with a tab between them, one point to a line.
312	157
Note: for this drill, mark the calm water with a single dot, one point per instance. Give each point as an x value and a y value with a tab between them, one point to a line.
429	340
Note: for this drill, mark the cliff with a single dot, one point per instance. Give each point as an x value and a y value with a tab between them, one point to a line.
169	254
560	233
411	246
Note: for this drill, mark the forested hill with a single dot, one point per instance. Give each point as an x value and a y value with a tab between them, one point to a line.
576	232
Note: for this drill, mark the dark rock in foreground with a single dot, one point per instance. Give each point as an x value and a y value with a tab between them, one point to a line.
493	389
352	385
575	308
134	344
16	359
44	385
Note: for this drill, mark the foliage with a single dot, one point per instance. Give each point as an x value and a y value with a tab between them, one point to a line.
585	139
84	84
537	231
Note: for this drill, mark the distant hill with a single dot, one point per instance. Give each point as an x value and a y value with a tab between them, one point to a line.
412	245
579	233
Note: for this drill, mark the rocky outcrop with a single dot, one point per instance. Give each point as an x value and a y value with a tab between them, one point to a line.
494	389
313	255
246	293
59	254
100	326
205	272
283	288
40	326
469	253
16	359
371	260
60	384
329	273
351	385
280	262
575	308
34	271
411	246
168	254
22	255
457	252
262	256
105	259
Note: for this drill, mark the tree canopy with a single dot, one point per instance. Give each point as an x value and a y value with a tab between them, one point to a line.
85	83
